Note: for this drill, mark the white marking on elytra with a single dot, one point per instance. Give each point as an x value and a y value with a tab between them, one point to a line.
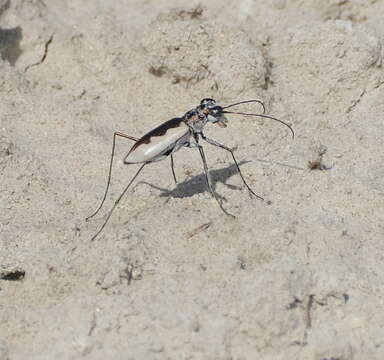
157	145
170	136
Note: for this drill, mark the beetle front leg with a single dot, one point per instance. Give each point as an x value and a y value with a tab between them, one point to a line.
208	178
215	143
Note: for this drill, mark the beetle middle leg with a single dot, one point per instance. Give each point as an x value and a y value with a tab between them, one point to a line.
215	143
173	169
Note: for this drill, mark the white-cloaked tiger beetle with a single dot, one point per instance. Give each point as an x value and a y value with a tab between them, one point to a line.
170	136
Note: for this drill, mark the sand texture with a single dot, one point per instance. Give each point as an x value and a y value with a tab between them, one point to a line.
298	276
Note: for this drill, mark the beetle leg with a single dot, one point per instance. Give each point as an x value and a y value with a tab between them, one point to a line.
117	201
215	143
173	169
110	168
208	178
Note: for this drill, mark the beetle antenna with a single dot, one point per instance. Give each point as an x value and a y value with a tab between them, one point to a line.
246	102
263	116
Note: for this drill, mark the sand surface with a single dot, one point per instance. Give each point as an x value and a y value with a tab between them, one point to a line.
299	276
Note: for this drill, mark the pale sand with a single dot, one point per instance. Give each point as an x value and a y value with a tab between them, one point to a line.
301	278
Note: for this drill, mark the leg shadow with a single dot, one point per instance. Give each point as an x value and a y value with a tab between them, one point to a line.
198	184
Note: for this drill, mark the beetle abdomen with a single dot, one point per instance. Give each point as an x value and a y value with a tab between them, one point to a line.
157	141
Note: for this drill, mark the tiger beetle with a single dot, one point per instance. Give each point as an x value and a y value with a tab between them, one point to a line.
170	136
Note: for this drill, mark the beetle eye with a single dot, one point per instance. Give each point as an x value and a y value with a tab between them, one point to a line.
216	110
207	101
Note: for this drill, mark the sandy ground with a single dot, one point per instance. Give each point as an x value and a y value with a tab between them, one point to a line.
172	277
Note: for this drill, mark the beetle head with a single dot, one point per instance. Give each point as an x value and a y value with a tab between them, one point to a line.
213	112
208	102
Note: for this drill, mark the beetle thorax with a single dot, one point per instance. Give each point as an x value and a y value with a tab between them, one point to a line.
196	120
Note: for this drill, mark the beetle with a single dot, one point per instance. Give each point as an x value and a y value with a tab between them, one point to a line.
172	135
